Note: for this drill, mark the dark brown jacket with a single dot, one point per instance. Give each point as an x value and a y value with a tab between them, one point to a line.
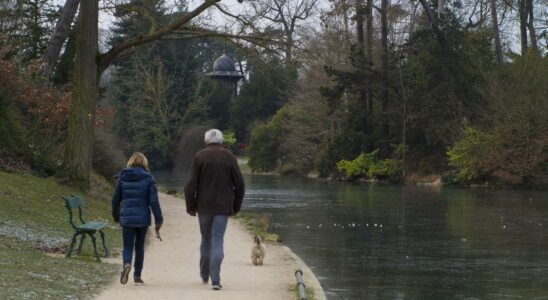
215	184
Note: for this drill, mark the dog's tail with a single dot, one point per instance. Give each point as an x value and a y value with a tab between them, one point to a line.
257	240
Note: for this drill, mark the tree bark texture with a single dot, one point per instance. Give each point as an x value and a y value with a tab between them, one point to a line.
496	31
369	47
360	42
79	145
60	35
522	10
289	49
385	81
531	26
441	7
359	24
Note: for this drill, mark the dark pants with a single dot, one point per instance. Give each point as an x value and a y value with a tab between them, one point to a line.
212	228
134	237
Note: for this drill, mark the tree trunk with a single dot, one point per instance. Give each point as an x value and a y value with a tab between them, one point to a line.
289	49
359	24
496	32
79	145
346	20
361	44
522	9
369	46
435	25
385	81
531	26
441	7
60	35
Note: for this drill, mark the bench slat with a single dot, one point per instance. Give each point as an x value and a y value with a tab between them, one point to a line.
92	226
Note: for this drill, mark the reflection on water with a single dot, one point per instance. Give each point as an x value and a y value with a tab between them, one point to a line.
387	242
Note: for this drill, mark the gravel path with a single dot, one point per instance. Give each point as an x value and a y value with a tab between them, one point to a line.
171	267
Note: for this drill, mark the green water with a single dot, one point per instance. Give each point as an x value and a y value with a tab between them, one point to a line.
389	242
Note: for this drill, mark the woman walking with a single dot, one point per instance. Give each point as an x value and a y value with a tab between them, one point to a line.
135	196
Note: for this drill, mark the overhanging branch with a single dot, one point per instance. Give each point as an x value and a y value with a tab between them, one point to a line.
106	59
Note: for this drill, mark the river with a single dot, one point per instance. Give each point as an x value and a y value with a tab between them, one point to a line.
392	242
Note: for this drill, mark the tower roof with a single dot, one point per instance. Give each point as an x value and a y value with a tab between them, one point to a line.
224	67
224	64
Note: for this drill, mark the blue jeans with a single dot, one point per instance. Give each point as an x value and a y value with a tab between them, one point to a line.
134	237
212	228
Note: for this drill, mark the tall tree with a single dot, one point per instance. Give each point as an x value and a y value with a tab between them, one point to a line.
531	25
523	15
286	13
79	144
385	79
496	31
369	49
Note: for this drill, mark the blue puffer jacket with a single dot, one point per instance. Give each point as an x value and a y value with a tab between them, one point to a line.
136	194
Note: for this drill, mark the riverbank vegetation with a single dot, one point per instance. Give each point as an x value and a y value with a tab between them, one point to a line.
34	235
410	94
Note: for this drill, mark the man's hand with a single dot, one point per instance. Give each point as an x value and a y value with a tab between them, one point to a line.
192	213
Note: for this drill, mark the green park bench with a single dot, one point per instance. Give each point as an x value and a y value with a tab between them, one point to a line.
89	228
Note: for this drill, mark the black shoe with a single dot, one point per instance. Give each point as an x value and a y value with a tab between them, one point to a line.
217	286
205	281
125	273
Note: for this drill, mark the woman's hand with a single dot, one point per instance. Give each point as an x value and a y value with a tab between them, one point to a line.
157	230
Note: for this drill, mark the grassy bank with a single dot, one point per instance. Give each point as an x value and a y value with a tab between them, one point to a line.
258	226
33	222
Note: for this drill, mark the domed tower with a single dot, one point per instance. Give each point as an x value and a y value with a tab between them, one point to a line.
225	72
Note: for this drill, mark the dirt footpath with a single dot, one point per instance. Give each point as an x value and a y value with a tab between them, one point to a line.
171	267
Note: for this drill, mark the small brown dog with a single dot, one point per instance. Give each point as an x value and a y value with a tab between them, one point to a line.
258	252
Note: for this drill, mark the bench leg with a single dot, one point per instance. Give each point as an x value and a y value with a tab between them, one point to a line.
107	253
95	247
72	242
79	250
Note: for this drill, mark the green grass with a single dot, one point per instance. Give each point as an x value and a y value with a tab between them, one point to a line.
251	221
309	292
33	214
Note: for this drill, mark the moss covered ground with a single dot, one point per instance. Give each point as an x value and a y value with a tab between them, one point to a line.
34	222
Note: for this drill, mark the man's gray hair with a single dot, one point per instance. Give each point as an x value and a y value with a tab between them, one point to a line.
213	136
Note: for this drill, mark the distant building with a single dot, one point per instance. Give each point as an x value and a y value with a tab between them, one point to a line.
225	72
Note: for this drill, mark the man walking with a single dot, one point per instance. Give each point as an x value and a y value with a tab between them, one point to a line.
215	190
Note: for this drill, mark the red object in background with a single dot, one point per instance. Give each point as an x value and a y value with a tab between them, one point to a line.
242	146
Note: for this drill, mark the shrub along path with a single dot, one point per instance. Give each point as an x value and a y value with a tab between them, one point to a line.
171	267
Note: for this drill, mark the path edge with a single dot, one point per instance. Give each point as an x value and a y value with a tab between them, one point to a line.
309	278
